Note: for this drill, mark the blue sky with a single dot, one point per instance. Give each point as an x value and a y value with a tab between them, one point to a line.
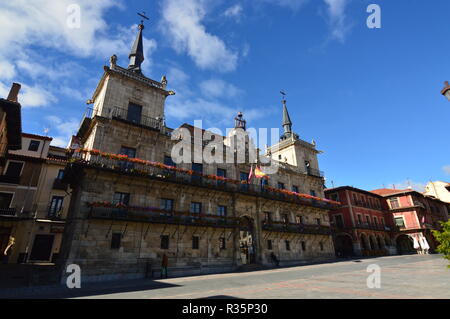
368	97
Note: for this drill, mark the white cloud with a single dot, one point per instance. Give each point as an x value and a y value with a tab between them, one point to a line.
7	70
219	88
64	129
233	11
30	96
446	169
182	22
292	4
337	17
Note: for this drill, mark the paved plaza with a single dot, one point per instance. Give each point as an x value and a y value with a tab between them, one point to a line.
412	276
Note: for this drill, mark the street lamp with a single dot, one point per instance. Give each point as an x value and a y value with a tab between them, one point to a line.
446	90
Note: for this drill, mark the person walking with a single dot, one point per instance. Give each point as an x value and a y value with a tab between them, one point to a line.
164	265
275	259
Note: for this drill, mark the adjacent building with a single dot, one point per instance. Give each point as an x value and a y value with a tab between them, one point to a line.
415	215
362	225
131	203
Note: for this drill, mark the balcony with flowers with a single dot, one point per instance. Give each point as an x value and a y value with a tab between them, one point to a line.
121	164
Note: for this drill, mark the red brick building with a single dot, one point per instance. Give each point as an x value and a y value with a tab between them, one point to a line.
416	215
363	225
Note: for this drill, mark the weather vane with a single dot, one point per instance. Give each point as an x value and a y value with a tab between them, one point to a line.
142	15
283	95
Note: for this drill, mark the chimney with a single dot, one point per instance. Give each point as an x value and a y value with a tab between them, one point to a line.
14	92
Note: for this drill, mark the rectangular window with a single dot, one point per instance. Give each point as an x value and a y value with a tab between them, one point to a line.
295	189
280	185
368	220
60	175
116	239
222	211
312	192
14	169
130	153
164	241
375	220
318	221
299	219
399	221
198	169
269	244
243	177
339	221
196	208
285	218
303	246
167	204
222	243
394	203
359	219
321	246
55	206
134	113
34	146
195	242
121	198
5	200
267	217
334	197
288	244
221	173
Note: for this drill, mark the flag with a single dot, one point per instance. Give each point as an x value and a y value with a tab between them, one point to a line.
250	175
259	173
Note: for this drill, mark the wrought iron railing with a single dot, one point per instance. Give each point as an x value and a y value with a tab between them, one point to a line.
296	228
8	211
96	161
156	216
314	172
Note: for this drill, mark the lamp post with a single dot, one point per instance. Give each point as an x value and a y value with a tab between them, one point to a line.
446	90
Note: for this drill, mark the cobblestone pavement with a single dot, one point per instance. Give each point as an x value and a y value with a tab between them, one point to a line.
413	276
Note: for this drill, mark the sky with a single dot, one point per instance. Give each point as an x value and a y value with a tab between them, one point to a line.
370	98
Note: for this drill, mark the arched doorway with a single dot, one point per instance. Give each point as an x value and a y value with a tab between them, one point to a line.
247	244
344	245
364	245
405	245
373	245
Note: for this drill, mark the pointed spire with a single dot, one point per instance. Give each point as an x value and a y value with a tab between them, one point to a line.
137	52
287	123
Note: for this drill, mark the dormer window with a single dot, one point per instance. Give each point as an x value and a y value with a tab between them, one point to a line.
34	146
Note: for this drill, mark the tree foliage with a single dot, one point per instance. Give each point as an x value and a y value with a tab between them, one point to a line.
443	237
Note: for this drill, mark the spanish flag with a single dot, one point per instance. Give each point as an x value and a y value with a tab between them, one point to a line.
259	173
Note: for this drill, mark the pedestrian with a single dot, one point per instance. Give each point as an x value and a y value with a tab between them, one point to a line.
164	265
8	250
275	259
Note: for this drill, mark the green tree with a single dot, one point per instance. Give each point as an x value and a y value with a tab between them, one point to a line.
443	237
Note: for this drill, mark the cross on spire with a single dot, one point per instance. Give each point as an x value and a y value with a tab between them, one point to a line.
137	51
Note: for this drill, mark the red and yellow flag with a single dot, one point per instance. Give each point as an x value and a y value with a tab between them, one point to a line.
259	173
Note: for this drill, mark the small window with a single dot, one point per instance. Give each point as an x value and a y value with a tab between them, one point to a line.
121	198
60	175
55	206
164	241
285	218
280	185
5	200
295	189
299	219
318	221
394	203
222	211
288	245
196	208
399	221
359	219
303	246
321	246
312	192
269	244
195	242
167	204
34	146
267	217
134	113
368	219
375	220
14	169
116	239
221	172
222	243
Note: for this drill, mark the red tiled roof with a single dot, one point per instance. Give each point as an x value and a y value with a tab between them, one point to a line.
389	191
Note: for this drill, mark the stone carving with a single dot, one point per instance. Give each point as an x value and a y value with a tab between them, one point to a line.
113	61
164	81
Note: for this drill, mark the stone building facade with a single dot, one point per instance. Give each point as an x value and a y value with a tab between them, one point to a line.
131	203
